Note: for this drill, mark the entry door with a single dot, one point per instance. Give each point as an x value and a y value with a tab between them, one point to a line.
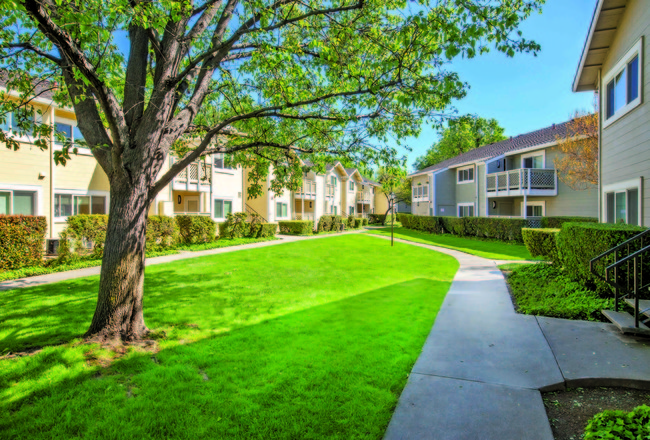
192	204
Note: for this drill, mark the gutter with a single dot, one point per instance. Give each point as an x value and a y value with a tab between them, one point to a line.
585	49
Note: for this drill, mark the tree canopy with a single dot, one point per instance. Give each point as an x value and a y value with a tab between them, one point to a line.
577	166
459	136
267	82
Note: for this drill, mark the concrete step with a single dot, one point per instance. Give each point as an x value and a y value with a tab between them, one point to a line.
644	305
625	323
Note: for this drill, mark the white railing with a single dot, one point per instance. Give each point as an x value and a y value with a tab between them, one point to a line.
198	172
363	196
533	221
522	180
305	216
308	189
192	213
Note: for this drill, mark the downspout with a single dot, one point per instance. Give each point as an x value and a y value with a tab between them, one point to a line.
433	194
602	218
477	199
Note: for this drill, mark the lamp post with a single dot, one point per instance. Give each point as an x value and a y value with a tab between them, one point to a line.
392	217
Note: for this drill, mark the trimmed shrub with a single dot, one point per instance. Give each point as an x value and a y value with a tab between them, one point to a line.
619	424
557	222
84	234
378	219
578	243
337	223
325	223
541	242
504	229
236	226
364	222
358	222
351	222
22	241
296	227
162	232
263	230
196	229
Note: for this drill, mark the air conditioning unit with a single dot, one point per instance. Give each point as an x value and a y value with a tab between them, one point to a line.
52	246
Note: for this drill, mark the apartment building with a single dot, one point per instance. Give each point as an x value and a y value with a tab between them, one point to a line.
615	63
512	178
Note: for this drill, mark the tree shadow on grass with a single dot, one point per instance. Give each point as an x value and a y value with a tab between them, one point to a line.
330	371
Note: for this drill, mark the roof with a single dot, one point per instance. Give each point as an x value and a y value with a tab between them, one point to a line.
524	141
602	30
43	88
370	182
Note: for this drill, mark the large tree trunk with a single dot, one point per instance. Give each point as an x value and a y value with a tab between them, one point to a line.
118	315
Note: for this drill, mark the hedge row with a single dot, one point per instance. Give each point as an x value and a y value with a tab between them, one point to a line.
296	227
541	242
579	243
22	241
378	219
328	223
196	228
505	229
557	222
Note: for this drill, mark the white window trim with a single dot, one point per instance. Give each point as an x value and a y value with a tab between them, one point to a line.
80	192
275	209
533	154
620	187
228	171
459	205
533	203
458	182
637	49
223	199
32	188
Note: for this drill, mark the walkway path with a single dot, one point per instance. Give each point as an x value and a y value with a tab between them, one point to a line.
482	366
183	255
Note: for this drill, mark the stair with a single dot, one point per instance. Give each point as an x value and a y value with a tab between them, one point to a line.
644	306
625	323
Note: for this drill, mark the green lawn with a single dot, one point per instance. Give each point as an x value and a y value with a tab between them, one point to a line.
492	249
311	339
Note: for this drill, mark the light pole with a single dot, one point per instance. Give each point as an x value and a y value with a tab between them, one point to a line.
392	217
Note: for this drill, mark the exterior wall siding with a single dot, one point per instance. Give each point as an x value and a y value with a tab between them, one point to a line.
420	207
625	144
446	193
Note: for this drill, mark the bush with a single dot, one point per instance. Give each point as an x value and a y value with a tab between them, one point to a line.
296	227
578	243
358	223
541	242
84	234
325	223
504	229
236	226
557	222
337	223
22	241
378	219
196	229
620	424
543	289
364	222
351	222
162	232
263	230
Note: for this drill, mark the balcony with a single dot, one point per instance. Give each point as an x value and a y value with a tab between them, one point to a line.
196	177
307	191
364	197
523	181
330	190
305	216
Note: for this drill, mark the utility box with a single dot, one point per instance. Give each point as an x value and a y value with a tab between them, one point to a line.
52	246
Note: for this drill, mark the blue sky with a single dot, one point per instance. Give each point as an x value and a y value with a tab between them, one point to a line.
525	93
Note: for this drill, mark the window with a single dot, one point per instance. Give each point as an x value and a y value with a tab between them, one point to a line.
623	206
351	186
9	122
622	85
466	210
536	161
335	210
466	175
351	210
69	204
222	208
219	161
17	202
333	180
534	211
281	210
69	132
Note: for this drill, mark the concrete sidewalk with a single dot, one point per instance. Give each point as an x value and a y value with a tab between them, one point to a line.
182	255
482	367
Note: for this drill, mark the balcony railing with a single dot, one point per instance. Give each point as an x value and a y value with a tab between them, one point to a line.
307	190
531	181
363	197
195	173
305	216
330	190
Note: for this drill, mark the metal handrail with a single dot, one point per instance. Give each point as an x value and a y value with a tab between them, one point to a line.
251	211
620	246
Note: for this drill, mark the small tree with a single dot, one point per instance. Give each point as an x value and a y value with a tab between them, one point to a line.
395	186
460	136
577	166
